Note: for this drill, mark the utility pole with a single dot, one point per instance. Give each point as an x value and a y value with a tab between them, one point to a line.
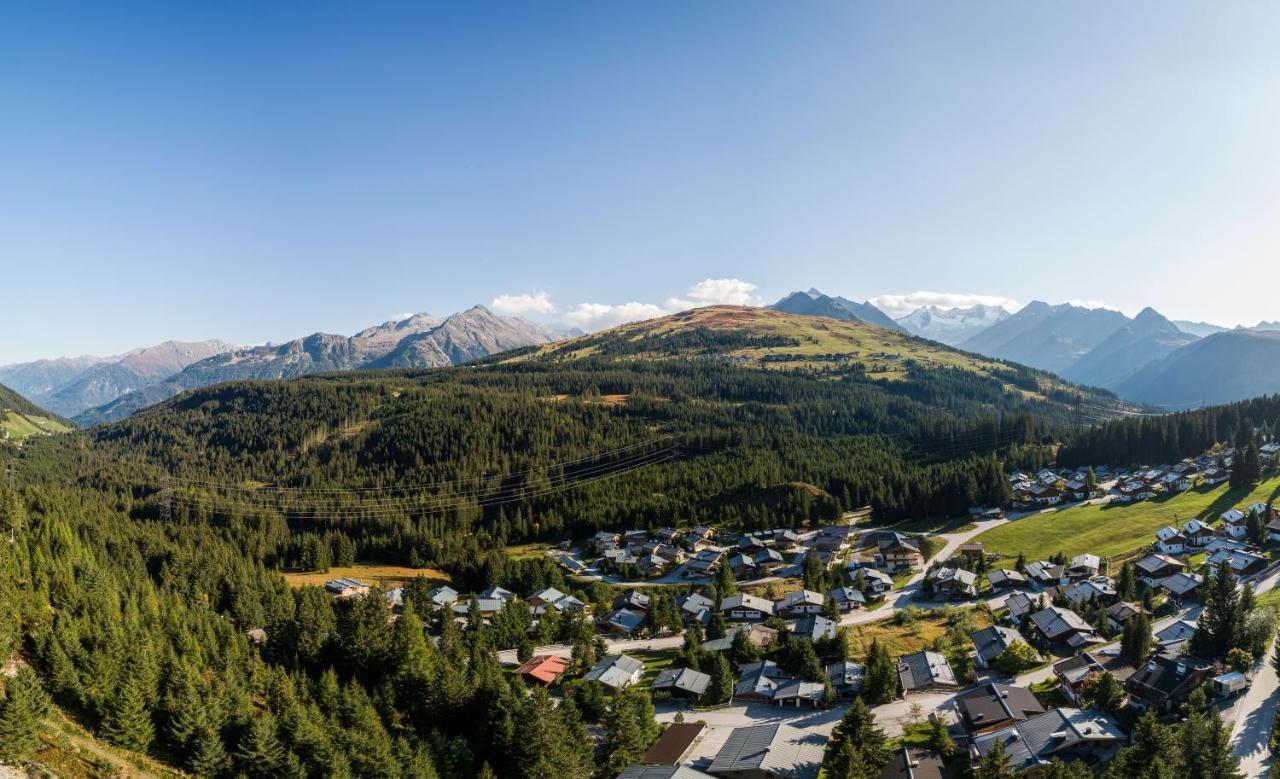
166	500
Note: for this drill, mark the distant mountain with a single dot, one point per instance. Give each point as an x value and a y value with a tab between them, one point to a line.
41	378
1220	368
1148	336
952	326
1267	326
140	368
419	341
1046	336
1198	328
815	303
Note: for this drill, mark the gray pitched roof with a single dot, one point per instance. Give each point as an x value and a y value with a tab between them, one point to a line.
778	750
662	772
991	642
1035	740
923	669
614	671
685	679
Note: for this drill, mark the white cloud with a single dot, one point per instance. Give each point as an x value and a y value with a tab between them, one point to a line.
900	305
526	303
711	292
1091	304
598	316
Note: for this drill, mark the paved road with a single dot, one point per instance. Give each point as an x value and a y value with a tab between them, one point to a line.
1253	712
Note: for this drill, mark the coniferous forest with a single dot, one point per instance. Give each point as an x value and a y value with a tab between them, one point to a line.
147	554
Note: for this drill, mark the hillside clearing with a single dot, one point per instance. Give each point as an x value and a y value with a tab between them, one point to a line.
912	636
1115	530
369	573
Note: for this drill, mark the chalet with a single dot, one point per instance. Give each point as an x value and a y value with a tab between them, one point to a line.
800	603
543	669
345	588
1261	509
700	533
1273	530
633	600
616	671
705	563
1197	533
768	560
1099	588
684	683
813	628
1216	476
1074	672
1046	574
1043	495
990	643
914	763
619	557
776	751
847	598
497	593
1181	585
953	582
846	678
1170	542
1235	523
746	607
743	566
543	598
1269	450
1173	638
1119	614
1165	680
1020	605
899	554
621	622
973	551
604	541
995	706
695	609
671	554
1155	567
797	693
758	681
875	583
749	545
651	565
664	758
487	607
832	538
1083	566
1069	735
1006	578
443	597
925	671
1238	561
758	635
1056	626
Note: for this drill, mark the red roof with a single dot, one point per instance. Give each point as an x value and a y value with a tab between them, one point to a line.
544	668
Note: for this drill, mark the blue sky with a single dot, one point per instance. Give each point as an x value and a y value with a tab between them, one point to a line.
253	171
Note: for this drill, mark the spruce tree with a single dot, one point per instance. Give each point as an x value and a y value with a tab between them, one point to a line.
208	756
880	678
127	722
995	764
23	706
259	753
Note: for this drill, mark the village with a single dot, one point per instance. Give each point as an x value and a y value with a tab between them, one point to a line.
752	644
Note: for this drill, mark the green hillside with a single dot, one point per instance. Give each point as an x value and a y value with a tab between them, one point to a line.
20	418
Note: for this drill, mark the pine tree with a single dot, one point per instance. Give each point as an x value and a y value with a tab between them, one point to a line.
995	764
880	678
259	753
208	755
940	740
128	722
23	707
723	680
859	725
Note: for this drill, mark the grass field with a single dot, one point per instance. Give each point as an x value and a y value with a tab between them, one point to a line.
369	573
527	551
21	426
654	663
908	638
1115	530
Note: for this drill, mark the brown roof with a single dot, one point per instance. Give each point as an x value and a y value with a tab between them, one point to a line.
671	747
544	668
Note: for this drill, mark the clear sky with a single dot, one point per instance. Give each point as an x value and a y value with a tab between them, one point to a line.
259	171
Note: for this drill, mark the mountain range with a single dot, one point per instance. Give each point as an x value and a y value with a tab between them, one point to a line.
418	341
952	326
815	303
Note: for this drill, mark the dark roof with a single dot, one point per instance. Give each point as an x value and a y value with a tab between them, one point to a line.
908	763
675	741
1029	742
685	679
1164	673
997	703
990	642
